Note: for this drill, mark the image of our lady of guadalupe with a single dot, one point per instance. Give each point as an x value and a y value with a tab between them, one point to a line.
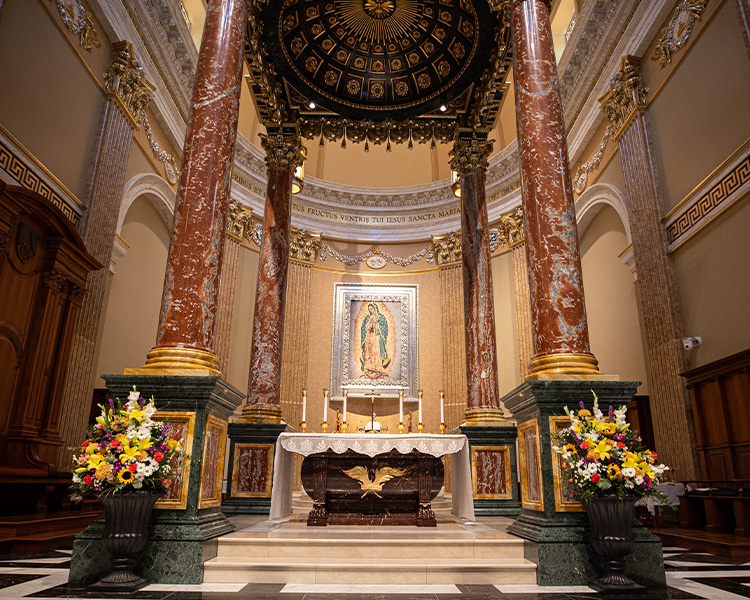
374	361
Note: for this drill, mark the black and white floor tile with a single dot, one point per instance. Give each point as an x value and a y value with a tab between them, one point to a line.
690	576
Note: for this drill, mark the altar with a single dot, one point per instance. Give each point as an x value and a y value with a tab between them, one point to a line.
371	479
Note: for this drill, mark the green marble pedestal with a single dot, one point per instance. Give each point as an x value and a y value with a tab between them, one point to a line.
180	539
553	523
251	454
493	469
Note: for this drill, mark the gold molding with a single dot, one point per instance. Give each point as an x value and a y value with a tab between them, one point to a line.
477	417
252	413
304	245
470	155
505	451
561	505
178	361
235	471
126	79
447	248
626	94
565	365
187	449
525	502
211	420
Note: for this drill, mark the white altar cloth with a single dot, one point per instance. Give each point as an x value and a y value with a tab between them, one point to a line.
371	445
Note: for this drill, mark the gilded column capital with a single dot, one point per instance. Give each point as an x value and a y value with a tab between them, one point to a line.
470	156
239	220
304	245
283	151
447	248
626	92
510	229
126	79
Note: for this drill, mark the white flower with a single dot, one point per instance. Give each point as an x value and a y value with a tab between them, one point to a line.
149	409
131	432
144	433
134	395
638	480
628	472
76	478
629	484
620	414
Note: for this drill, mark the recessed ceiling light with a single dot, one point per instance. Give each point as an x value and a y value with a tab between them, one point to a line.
443	108
312	105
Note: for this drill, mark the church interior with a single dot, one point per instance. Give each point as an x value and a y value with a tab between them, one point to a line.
400	233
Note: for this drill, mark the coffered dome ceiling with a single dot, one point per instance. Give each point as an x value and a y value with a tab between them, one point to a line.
377	69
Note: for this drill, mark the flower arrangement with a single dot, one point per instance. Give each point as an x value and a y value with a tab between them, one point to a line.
602	456
125	449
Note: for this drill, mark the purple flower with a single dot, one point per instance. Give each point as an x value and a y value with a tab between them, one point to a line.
582	405
611	411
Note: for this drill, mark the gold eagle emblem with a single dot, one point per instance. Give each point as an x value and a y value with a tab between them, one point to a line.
382	475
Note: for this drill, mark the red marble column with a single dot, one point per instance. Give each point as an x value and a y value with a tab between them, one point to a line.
469	160
283	155
185	340
560	331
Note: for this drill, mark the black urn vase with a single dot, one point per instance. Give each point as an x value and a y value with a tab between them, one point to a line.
611	526
126	518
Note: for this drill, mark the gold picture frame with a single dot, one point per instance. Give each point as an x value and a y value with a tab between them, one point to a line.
532	486
183	424
212	470
505	451
236	470
563	502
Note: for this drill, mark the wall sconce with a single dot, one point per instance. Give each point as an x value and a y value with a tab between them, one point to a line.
299	175
456	184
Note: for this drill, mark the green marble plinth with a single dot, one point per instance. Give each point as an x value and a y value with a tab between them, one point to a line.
559	536
180	540
493	439
243	495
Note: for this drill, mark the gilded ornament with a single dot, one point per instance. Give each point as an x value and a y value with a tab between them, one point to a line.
375	485
447	248
342	56
429	47
439	33
444	68
378	66
126	79
359	62
304	245
392	47
239	220
377	90
470	156
311	63
311	12
331	78
353	87
297	45
510	228
413	58
316	29
458	50
78	21
327	44
402	88
446	17
380	9
396	64
626	92
283	152
289	23
677	32
170	163
468	29
424	80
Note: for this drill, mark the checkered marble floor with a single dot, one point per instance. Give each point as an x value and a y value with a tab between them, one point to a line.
690	575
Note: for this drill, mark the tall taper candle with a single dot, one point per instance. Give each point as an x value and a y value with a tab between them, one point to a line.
304	404
346	392
401	406
419	397
325	405
442	406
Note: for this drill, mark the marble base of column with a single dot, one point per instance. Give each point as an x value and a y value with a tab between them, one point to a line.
182	535
251	454
493	470
553	522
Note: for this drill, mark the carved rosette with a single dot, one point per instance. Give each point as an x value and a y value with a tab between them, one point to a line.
126	79
283	151
447	248
470	156
239	221
626	92
304	245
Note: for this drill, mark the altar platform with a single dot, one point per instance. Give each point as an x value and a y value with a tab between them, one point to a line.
288	551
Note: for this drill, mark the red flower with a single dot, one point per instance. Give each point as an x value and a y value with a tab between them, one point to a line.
595	478
620	445
158	456
87	479
132	467
585	445
114	443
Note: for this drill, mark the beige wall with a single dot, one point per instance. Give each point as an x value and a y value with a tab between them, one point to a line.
132	310
242	324
506	329
49	102
611	304
701	115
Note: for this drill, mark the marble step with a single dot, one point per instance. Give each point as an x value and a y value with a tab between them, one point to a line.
376	570
350	544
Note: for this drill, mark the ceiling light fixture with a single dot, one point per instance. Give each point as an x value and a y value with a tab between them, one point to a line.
443	108
311	105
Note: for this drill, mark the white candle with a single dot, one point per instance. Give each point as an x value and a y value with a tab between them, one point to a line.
346	392
325	406
419	397
304	404
401	406
442	406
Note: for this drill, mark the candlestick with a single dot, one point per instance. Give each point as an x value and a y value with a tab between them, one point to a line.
419	397
303	426
401	406
346	393
442	406
420	427
401	428
324	426
304	405
325	405
343	427
442	428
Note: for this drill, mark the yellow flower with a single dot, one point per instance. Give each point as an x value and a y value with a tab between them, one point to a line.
570	448
129	454
613	472
103	470
171	444
125	476
144	444
603	448
95	460
137	414
584	413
